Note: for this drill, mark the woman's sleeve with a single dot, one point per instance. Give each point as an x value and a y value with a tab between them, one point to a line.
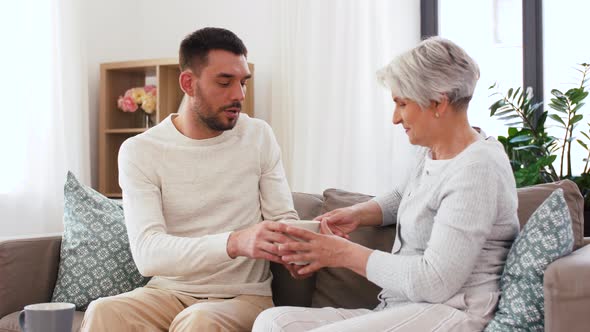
389	205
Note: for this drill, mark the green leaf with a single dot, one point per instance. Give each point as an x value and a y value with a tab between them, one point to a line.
492	86
527	147
525	110
572	93
558	108
509	93
537	105
582	144
494	107
559	102
521	97
576	118
578	106
540	125
512	131
509	117
585	135
503	112
557	93
557	118
580	97
519	139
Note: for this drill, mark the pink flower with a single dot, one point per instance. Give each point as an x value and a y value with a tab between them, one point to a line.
128	104
149	89
120	103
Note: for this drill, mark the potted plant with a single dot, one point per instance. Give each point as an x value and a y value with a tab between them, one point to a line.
533	151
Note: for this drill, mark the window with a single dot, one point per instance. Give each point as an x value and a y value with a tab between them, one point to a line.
491	32
565	46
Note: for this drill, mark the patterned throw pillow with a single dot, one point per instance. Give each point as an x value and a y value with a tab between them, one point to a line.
95	256
546	237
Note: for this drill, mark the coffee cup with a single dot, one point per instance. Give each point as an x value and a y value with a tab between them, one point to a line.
47	317
310	225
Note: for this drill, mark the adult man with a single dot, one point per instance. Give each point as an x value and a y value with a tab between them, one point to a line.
196	189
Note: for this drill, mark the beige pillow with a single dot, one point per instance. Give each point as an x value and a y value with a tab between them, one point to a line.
530	198
343	288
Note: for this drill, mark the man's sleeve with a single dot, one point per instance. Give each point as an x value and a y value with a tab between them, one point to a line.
154	251
276	200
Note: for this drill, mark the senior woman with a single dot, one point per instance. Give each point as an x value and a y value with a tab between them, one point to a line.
456	216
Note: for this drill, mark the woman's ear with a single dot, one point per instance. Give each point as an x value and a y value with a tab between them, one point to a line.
186	80
440	107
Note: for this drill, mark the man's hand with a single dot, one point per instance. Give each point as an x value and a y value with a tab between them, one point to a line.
259	241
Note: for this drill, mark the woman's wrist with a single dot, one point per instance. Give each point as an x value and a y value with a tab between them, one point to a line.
355	258
369	213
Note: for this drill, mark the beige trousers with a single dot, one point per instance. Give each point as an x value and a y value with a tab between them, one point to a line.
460	313
149	309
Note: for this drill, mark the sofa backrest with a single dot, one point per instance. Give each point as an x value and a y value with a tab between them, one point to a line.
345	289
529	198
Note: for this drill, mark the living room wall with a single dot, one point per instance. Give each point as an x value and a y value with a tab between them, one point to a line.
131	30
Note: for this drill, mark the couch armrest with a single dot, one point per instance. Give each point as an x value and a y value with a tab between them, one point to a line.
28	270
567	292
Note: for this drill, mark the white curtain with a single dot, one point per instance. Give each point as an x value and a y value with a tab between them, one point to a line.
44	127
331	117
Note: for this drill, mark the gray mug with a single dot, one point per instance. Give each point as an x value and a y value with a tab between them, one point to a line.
47	317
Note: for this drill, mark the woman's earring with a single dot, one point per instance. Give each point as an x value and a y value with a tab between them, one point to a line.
436	114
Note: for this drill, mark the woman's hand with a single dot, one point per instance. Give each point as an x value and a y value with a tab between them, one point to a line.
323	250
294	270
341	221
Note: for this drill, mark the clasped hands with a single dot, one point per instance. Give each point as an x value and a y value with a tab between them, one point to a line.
270	240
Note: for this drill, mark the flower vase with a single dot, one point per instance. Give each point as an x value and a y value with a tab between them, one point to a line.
148	122
144	120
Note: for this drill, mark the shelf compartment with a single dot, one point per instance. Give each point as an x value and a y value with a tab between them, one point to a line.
125	131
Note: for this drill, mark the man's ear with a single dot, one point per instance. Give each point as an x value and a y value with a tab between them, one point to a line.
187	81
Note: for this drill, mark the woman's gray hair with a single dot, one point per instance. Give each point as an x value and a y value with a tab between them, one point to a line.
435	68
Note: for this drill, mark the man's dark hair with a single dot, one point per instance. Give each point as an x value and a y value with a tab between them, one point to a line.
195	47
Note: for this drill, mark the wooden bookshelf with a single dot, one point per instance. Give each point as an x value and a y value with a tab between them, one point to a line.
115	126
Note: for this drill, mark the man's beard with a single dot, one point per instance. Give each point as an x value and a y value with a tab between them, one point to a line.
212	118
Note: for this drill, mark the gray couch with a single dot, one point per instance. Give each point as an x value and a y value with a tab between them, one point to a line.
28	266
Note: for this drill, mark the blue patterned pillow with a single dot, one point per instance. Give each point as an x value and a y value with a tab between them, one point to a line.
95	256
546	237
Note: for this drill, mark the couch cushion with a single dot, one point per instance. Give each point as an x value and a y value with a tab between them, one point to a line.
95	256
529	198
28	269
308	206
546	237
336	287
9	323
285	289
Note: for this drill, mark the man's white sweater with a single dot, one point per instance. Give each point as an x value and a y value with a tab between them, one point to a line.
183	197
